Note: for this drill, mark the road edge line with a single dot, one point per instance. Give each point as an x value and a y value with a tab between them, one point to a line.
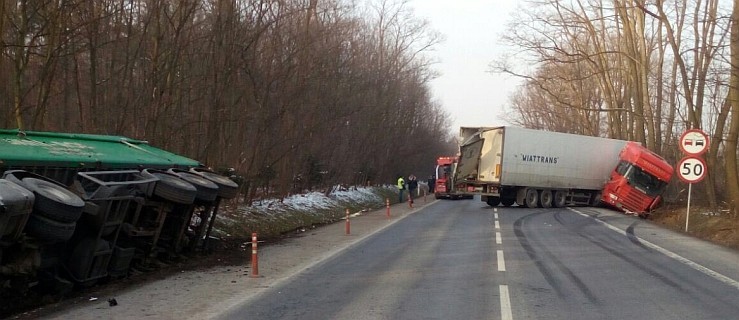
668	253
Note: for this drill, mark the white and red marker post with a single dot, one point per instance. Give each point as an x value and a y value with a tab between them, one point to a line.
254	257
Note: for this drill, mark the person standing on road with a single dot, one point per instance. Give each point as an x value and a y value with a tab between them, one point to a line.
412	186
401	187
432	184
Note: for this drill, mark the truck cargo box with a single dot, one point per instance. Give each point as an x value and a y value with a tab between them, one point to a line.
524	157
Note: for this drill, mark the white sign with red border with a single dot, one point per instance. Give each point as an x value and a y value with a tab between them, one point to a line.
694	142
691	169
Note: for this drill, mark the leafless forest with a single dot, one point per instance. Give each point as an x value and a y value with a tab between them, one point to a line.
293	94
642	70
305	93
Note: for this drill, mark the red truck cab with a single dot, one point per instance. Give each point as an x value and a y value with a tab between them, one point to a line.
637	181
445	168
444	172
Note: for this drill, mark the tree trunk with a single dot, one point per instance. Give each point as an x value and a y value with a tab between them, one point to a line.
732	177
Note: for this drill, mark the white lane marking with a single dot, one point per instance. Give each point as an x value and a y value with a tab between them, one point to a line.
497	224
505	303
498	240
686	261
501	261
496	216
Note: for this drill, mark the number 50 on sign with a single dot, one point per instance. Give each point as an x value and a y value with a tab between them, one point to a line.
691	169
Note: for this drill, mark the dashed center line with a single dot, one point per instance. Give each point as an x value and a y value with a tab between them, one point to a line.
501	261
505	303
505	299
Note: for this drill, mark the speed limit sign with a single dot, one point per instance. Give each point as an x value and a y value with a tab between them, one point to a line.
691	169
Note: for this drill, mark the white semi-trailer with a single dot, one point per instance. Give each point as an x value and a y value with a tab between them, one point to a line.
549	169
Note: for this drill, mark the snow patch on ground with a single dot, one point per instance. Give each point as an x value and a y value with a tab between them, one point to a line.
315	200
275	216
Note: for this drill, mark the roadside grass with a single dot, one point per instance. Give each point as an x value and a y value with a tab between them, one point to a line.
274	218
704	224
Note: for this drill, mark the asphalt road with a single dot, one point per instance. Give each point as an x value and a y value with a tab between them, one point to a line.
465	260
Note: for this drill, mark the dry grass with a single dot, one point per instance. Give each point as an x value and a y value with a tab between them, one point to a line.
718	228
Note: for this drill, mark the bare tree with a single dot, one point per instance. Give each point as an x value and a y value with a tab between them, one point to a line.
732	177
275	89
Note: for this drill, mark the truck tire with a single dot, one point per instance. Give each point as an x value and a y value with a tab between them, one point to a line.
172	188
560	199
493	201
53	201
227	188
545	198
595	200
207	190
49	230
508	201
532	198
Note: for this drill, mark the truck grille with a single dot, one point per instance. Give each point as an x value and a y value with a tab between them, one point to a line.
634	201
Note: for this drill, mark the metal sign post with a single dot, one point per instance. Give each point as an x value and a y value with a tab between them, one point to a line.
687	212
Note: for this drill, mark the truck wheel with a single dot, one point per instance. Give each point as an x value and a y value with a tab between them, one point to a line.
207	189
493	201
227	188
595	201
507	201
53	201
49	230
545	198
172	188
560	199
532	198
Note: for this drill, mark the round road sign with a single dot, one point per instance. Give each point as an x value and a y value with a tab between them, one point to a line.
691	169
694	142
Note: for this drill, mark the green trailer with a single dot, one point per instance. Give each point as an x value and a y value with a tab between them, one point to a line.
62	155
77	208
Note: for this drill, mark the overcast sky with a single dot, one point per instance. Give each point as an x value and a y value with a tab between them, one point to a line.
472	28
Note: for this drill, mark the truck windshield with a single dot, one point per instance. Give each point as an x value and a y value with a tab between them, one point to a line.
443	171
642	180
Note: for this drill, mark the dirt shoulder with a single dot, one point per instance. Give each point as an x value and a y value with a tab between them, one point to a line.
220	280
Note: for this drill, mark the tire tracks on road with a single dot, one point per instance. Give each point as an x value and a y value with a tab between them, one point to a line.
539	253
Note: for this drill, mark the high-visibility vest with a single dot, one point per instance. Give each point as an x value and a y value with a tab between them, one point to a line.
401	183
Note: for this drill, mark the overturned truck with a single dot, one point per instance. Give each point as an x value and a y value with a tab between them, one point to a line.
78	208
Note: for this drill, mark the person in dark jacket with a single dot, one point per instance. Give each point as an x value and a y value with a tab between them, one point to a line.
412	187
432	184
